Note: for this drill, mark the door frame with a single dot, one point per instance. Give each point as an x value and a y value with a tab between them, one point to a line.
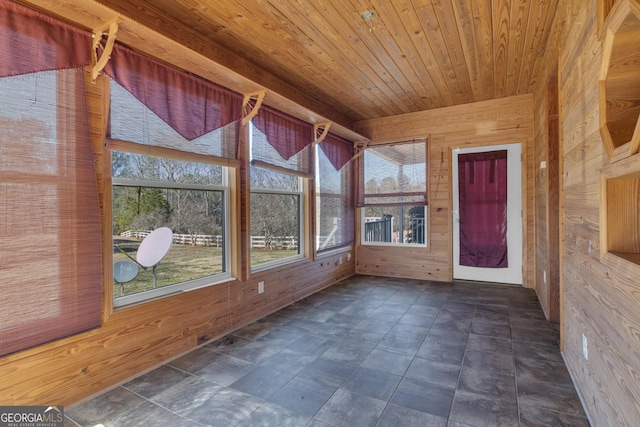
518	276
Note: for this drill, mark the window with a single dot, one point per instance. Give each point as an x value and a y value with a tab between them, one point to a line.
276	215
190	199
334	194
392	193
173	141
280	163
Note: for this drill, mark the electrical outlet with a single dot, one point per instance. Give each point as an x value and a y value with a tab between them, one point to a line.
340	260
585	347
348	256
261	287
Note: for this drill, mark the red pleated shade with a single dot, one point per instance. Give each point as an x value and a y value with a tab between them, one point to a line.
50	228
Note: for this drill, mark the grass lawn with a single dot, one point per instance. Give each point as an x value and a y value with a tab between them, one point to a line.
182	263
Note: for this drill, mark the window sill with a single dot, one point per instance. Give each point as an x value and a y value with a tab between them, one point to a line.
332	252
276	263
395	245
168	291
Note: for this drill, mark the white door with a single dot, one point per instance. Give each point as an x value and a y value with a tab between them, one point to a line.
512	273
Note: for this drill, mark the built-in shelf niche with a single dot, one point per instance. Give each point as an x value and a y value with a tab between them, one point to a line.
619	83
620	207
604	7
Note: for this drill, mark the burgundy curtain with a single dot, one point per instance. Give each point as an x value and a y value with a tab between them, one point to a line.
190	105
338	150
281	141
286	134
31	41
482	182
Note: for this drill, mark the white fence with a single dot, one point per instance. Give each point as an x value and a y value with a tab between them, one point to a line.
279	242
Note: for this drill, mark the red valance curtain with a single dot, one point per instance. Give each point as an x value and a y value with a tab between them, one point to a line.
482	185
282	141
31	41
50	250
190	105
338	150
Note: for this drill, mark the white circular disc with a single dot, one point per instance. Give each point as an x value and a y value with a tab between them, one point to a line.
125	271
154	247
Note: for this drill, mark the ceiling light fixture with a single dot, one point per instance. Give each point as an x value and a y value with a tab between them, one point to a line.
368	16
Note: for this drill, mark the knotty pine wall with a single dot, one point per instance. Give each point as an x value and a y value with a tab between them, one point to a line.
499	121
547	193
600	296
136	339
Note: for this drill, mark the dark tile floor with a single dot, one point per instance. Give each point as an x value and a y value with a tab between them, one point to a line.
366	352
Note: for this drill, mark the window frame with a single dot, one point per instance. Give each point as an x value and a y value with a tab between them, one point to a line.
302	195
318	252
362	208
228	176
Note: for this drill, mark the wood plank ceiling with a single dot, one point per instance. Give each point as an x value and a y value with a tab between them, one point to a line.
411	55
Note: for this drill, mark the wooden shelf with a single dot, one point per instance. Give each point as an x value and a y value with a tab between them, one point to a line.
620	204
619	82
604	7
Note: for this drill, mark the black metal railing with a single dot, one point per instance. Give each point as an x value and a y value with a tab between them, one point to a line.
379	230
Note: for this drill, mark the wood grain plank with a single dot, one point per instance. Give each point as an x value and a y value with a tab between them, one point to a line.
452	40
501	12
518	23
435	39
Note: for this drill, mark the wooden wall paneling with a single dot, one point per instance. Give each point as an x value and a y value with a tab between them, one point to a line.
469	43
600	296
541	258
518	22
541	16
604	7
483	32
445	78
97	109
243	196
483	123
410	54
478	119
501	17
558	73
547	201
447	18
611	389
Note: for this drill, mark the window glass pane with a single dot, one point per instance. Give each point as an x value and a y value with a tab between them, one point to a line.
148	168
393	174
394	224
265	179
334	205
275	227
275	216
289	144
178	199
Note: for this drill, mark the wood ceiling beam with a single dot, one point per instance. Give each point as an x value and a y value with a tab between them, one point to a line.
161	37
